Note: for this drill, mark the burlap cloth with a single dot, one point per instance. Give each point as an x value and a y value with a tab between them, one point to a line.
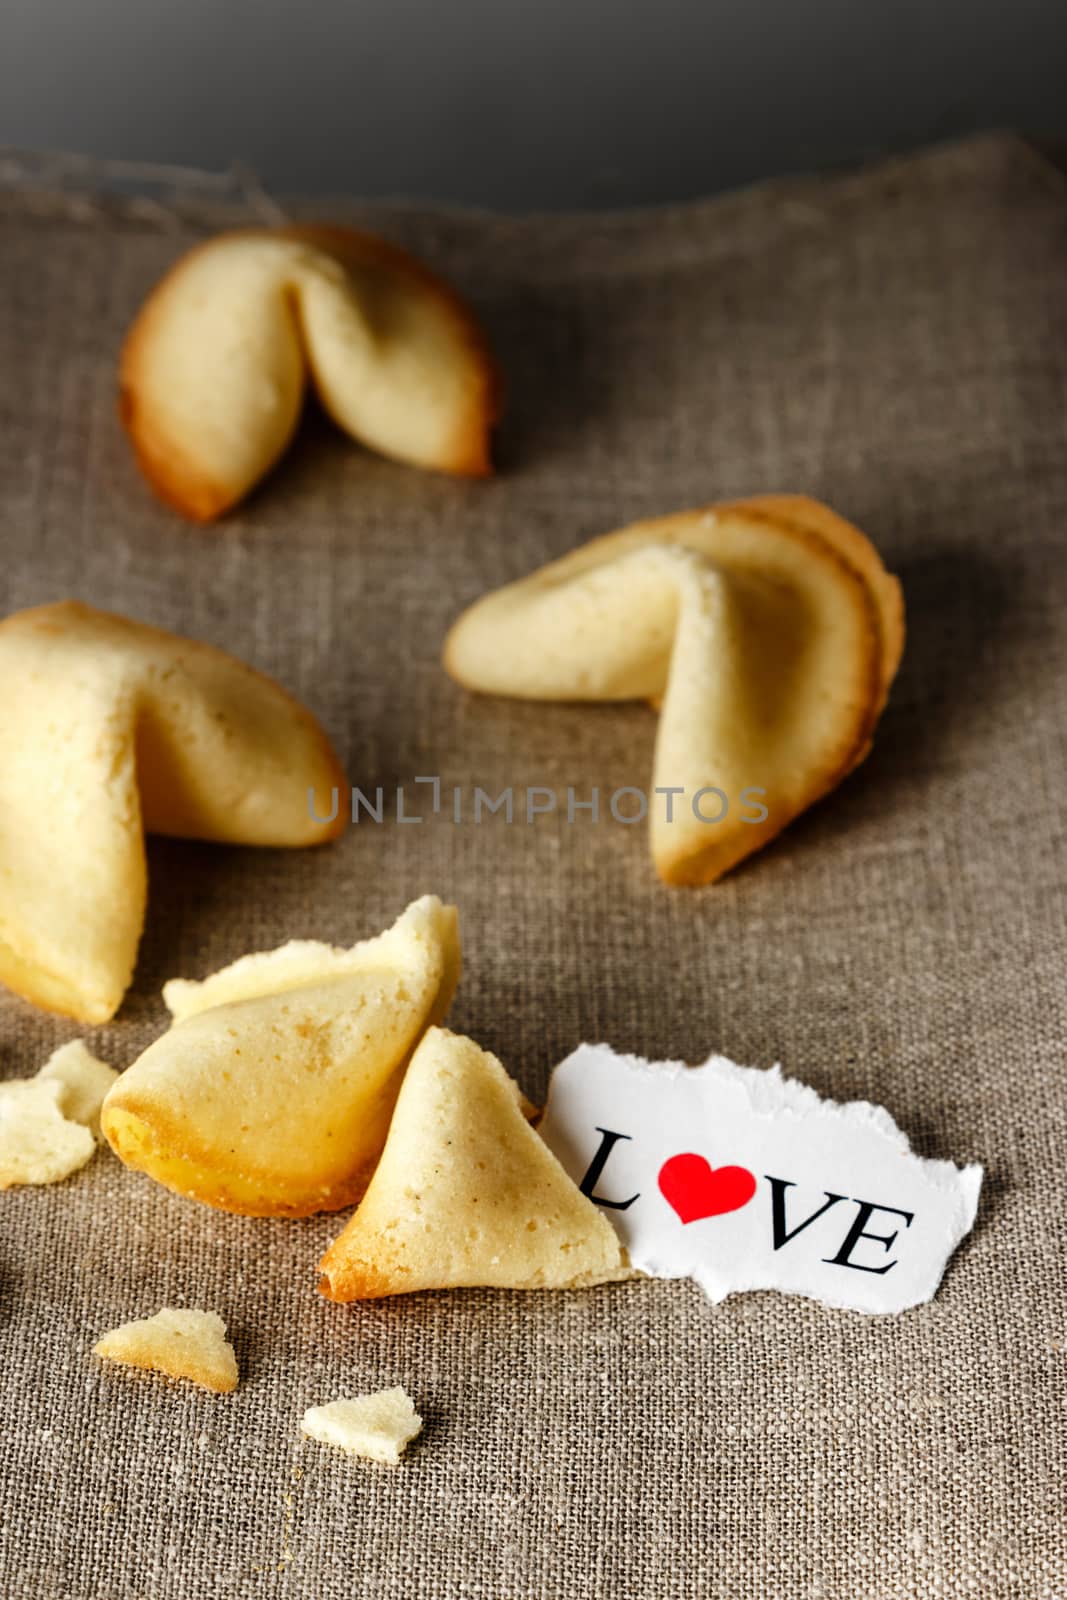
892	342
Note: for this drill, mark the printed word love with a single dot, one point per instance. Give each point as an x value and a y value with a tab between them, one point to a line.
695	1190
742	1179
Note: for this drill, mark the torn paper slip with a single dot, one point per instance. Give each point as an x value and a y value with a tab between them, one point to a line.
743	1179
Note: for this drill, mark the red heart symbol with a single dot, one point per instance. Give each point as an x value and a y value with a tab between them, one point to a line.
695	1189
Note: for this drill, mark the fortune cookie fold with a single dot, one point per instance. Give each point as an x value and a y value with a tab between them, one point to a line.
216	364
466	1193
110	729
272	1092
767	631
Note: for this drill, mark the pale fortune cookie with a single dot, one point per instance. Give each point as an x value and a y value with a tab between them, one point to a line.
215	367
110	729
766	631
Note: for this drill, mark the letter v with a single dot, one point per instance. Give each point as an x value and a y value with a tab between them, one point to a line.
782	1234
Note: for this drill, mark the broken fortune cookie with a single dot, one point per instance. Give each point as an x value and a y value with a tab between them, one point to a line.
466	1193
767	631
271	1093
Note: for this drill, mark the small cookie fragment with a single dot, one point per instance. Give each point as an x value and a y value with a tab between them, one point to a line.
378	1427
183	1344
50	1124
38	1144
84	1080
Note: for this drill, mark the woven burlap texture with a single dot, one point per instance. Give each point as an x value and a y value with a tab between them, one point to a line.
893	342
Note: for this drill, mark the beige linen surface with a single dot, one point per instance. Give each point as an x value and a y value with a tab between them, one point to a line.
893	342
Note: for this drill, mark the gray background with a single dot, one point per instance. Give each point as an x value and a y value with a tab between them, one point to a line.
517	105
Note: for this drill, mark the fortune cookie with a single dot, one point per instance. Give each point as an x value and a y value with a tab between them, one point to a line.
766	631
271	1093
110	729
467	1193
215	367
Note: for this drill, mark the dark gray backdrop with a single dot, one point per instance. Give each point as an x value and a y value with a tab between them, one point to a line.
516	104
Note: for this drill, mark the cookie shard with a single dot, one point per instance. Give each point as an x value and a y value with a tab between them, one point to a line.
766	631
466	1193
38	1144
272	1092
214	369
121	729
84	1082
179	1343
378	1427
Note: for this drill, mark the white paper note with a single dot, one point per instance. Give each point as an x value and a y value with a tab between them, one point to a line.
743	1179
